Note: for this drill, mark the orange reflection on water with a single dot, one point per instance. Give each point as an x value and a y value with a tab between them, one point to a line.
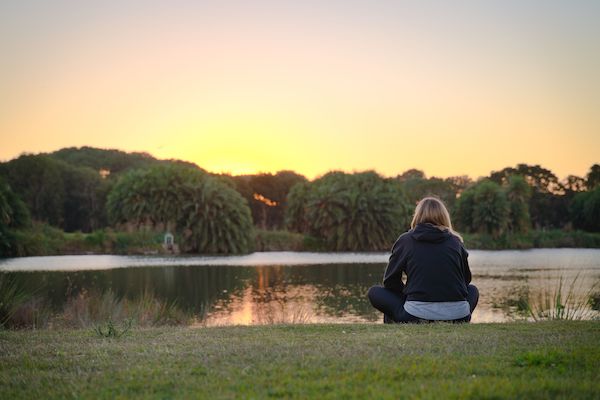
253	307
270	299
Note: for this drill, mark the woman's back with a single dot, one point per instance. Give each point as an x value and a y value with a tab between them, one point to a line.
435	263
434	260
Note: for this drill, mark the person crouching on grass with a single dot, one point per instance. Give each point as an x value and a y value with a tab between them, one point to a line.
434	259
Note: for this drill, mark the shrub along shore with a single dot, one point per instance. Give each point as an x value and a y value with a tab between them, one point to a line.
44	240
544	360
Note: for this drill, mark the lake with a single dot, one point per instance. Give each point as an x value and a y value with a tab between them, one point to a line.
289	287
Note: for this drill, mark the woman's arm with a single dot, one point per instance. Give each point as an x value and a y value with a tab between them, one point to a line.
392	278
466	269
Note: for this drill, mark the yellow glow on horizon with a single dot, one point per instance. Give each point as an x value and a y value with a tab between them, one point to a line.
309	89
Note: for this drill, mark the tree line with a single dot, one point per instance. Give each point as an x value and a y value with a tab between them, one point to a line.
86	189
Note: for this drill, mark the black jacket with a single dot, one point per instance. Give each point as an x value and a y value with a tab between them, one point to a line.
435	264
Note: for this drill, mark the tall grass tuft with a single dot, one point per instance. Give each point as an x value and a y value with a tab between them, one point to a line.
561	303
148	310
34	313
12	296
90	309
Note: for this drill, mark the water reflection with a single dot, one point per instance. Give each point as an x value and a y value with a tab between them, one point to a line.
220	295
224	295
332	293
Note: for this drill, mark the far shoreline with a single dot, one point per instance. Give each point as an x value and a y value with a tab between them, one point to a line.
43	240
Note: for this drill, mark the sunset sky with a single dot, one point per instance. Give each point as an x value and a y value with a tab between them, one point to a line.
449	87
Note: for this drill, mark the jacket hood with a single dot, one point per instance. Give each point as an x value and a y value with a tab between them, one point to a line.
429	233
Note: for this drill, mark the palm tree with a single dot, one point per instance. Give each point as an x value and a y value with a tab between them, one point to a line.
215	218
209	216
353	212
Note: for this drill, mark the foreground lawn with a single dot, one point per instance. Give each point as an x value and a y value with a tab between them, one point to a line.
513	360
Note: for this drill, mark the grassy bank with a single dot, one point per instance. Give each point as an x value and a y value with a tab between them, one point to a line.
555	238
517	360
43	240
288	241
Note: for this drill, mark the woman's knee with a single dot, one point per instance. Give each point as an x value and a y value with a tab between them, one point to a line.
473	291
472	296
372	292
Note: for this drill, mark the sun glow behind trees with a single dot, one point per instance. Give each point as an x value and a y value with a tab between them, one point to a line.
452	89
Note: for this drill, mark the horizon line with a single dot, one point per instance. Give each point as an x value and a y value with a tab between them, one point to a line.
259	172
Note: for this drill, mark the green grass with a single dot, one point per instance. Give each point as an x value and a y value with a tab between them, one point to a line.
556	359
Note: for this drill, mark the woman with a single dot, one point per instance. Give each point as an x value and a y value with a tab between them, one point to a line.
438	277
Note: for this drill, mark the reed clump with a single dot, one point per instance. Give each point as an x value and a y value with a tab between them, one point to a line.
12	297
563	302
87	309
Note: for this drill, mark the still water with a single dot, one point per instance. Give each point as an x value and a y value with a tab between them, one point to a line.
288	287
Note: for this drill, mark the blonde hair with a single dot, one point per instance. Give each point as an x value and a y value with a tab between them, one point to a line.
433	211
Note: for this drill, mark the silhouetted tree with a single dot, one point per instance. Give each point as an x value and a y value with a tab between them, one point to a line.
58	193
463	214
83	201
411	174
111	160
37	179
13	215
418	188
484	208
459	183
541	179
573	184
585	210
267	196
518	193
593	177
546	207
13	211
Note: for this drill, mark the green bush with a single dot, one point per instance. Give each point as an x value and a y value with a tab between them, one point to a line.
40	240
96	240
278	241
44	240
